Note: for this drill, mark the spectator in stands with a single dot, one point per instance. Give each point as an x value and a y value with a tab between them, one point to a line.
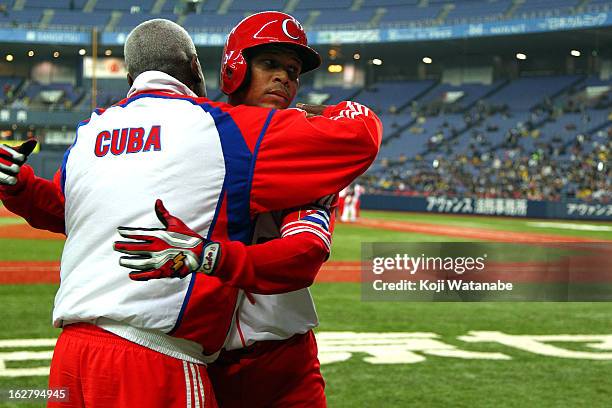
527	163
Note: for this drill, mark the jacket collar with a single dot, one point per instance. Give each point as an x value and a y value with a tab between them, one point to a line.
158	81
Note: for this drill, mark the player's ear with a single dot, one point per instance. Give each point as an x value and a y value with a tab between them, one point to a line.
130	79
197	76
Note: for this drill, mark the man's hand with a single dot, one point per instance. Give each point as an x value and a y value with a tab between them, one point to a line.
11	160
171	252
311	110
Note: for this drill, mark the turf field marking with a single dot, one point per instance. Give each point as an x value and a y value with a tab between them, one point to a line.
391	348
570	226
538	344
26	356
27	343
381	348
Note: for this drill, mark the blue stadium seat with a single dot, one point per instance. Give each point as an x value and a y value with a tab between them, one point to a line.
382	95
129	21
211	6
249	5
343	17
10	84
543	7
34	92
29	17
79	18
109	91
390	3
55	5
324	4
472	93
393	123
211	21
401	14
121	5
523	93
469	10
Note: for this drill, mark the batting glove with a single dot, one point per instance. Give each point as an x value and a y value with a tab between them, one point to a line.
171	252
11	160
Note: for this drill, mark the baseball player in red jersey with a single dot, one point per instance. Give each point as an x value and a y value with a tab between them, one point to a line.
16	159
269	361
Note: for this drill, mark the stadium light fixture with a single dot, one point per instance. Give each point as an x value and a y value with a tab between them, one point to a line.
377	61
427	60
9	57
521	56
356	56
108	53
56	54
335	68
82	51
30	53
575	53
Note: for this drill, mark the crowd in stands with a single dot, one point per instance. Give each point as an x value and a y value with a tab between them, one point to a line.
551	172
558	149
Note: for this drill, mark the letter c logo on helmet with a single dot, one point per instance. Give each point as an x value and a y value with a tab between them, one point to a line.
267	27
299	27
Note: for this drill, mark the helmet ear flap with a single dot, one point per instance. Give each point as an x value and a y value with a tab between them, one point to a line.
233	73
246	80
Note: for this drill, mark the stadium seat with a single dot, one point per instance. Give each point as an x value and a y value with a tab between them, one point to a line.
79	18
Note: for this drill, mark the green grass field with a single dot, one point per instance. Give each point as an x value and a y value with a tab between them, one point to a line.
523	379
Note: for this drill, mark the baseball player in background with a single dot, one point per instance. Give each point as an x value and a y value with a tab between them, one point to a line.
115	325
352	203
347	204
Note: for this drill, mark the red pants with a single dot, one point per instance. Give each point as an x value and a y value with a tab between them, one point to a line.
103	370
281	373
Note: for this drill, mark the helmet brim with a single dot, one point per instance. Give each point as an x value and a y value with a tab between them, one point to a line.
311	59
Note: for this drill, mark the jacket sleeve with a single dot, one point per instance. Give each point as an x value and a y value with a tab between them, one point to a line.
283	264
277	266
300	158
39	201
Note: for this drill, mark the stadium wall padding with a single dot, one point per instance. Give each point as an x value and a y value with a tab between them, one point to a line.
568	209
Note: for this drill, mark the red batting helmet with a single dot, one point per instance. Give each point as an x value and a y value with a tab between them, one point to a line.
267	27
